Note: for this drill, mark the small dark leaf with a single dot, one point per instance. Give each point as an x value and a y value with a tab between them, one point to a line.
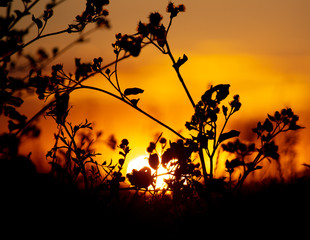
154	161
268	125
13	114
222	91
133	91
225	109
228	135
167	156
13	126
151	147
181	61
121	161
293	126
271	118
134	101
108	71
18	13
37	21
271	150
110	164
47	14
61	107
277	115
15	101
233	163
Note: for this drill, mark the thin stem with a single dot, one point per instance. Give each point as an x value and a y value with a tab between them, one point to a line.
216	143
41	16
80	161
158	47
67	47
202	160
247	172
22	15
203	165
35	39
46	107
42	36
116	75
225	123
169	25
109	79
176	68
133	106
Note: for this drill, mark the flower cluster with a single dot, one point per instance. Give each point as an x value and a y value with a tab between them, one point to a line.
207	109
142	178
82	69
59	110
178	150
235	104
240	150
270	150
280	122
46	84
124	146
174	10
96	66
131	44
94	12
154	31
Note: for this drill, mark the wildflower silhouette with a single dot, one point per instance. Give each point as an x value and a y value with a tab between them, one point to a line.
188	162
205	119
280	122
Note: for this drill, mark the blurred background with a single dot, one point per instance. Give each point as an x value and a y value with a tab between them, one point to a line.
260	48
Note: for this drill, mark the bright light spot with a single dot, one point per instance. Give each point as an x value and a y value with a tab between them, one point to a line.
160	183
141	162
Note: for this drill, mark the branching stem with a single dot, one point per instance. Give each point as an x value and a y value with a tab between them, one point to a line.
133	106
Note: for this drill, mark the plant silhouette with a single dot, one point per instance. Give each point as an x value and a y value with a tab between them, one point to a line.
190	181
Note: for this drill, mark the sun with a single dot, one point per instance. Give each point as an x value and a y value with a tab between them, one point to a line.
141	162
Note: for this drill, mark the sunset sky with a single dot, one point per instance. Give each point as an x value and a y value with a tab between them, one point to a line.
260	48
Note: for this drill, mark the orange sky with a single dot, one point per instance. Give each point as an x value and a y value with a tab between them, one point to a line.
261	48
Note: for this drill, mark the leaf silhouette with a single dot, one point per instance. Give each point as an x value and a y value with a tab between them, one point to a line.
134	101
37	21
271	118
133	91
154	161
268	125
181	61
228	135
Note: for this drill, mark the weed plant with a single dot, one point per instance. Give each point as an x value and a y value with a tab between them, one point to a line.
190	184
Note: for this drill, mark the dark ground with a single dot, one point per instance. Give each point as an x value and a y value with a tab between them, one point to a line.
32	203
